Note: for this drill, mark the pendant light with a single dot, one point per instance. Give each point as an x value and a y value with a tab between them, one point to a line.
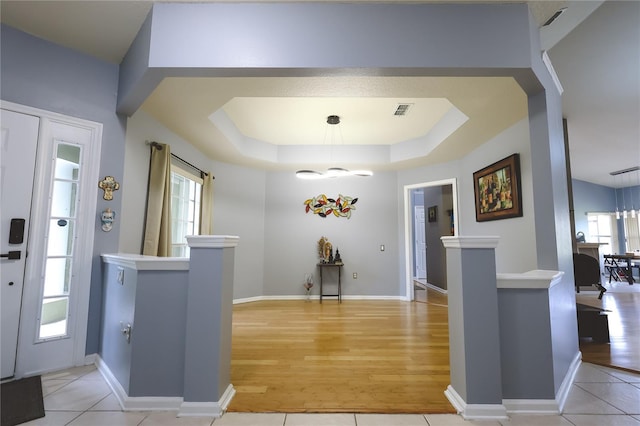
332	172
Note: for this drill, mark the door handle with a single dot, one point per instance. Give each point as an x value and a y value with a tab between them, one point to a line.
12	255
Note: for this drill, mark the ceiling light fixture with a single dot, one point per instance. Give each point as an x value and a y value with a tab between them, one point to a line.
332	172
624	204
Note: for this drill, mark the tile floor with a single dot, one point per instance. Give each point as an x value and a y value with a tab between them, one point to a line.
600	397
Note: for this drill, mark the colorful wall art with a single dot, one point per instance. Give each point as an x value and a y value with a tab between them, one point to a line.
324	207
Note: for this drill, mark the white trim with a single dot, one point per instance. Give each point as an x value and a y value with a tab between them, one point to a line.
531	406
127	403
567	382
208	409
408	214
547	406
362	297
470	242
147	263
315	297
536	279
475	411
435	288
554	76
212	241
90	359
84	236
247	300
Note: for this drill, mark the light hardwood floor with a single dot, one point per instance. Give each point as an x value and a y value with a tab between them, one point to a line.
358	356
623	303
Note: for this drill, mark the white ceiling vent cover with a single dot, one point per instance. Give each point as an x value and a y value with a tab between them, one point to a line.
402	109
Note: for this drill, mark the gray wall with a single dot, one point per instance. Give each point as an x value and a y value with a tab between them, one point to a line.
238	205
516	250
590	197
43	75
291	235
441	197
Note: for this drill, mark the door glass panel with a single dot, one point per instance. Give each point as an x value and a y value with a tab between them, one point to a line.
58	272
67	162
60	237
57	276
63	203
53	322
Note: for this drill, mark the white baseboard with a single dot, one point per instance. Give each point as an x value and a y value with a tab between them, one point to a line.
127	403
161	403
247	300
546	406
207	409
354	297
531	406
475	411
315	297
569	378
90	359
435	288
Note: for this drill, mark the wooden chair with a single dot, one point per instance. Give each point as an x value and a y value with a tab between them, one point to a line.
586	271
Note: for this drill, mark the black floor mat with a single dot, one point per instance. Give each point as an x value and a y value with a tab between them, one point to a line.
21	401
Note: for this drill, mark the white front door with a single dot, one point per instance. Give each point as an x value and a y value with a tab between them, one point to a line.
57	272
17	158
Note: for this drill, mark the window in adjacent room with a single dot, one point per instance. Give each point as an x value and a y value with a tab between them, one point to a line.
186	192
602	229
632	233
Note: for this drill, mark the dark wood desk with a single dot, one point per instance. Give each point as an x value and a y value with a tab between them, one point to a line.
322	266
620	266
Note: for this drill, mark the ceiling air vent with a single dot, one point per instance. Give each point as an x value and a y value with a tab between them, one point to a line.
402	109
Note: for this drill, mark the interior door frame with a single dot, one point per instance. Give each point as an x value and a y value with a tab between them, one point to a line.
86	220
408	227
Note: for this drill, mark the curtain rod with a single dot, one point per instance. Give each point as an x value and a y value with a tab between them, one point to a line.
159	146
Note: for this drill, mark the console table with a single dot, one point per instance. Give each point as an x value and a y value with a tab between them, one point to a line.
337	266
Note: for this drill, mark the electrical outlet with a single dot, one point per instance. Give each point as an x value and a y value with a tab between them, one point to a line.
355	275
381	247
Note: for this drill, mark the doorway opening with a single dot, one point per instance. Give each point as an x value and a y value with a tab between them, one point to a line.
430	213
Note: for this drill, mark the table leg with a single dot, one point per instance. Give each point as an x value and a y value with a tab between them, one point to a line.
320	285
339	287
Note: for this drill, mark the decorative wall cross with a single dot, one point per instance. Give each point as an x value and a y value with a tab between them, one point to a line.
108	184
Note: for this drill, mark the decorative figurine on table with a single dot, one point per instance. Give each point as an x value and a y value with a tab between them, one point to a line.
338	259
325	249
308	285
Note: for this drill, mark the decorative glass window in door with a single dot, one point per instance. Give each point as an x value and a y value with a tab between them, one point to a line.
60	241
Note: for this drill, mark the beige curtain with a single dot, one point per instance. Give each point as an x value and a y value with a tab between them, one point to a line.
157	232
206	205
632	232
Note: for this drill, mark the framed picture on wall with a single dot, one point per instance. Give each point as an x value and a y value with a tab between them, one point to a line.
497	190
432	214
